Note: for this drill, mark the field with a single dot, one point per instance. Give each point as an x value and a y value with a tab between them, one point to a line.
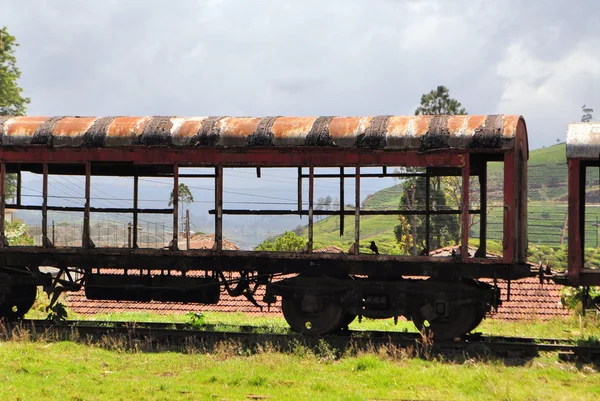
112	369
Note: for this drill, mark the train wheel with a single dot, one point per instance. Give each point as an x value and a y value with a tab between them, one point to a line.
462	320
18	303
326	319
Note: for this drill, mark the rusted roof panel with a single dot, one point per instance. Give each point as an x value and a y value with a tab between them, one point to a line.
583	141
376	132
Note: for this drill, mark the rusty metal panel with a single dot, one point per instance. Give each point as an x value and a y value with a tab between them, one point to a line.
421	133
70	131
583	141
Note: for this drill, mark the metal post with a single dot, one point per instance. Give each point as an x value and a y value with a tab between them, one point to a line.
341	201
300	191
219	208
175	206
54	242
86	213
45	242
129	227
427	210
311	193
187	229
19	188
357	211
3	240
465	209
135	209
483	211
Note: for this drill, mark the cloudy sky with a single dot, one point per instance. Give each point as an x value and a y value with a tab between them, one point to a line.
347	57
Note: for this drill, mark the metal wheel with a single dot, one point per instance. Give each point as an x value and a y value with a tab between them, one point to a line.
327	318
461	321
481	312
18	302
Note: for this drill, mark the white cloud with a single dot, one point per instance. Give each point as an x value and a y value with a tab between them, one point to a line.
549	93
307	57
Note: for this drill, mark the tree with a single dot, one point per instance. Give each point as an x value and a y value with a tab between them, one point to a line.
184	197
12	103
288	242
438	101
587	114
443	228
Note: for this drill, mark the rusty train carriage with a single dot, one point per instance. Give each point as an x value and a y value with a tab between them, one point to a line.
330	289
583	154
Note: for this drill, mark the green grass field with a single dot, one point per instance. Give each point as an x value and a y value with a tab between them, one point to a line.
73	371
113	369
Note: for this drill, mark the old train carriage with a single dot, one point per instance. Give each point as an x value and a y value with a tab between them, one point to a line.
583	158
320	292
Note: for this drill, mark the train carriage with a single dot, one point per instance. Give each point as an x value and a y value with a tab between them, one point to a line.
320	292
583	158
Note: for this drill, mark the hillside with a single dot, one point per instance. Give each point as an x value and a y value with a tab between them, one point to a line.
547	210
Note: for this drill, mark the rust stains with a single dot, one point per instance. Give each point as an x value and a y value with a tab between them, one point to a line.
422	133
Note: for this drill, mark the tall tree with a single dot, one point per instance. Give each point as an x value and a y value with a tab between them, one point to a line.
184	197
12	103
438	101
587	114
444	229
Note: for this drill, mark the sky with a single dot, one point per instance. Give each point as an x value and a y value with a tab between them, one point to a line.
536	58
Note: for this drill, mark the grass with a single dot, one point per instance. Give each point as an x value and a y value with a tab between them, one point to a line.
68	370
115	369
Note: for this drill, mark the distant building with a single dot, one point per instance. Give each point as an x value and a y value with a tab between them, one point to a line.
9	215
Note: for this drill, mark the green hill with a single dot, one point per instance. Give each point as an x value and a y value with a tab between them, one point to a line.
547	208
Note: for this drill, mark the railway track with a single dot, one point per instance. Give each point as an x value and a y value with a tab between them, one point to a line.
254	335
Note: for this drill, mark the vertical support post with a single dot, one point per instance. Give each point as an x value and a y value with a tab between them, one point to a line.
357	211
187	229
427	210
53	231
219	208
45	242
300	191
508	236
342	201
175	207
135	209
582	206
311	193
129	235
258	172
483	210
3	240
19	188
86	213
465	209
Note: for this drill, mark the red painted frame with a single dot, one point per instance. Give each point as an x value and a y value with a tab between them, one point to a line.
294	157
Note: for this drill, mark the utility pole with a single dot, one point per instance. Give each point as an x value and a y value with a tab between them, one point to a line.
187	229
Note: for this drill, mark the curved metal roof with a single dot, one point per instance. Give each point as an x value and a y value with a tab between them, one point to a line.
379	132
583	141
